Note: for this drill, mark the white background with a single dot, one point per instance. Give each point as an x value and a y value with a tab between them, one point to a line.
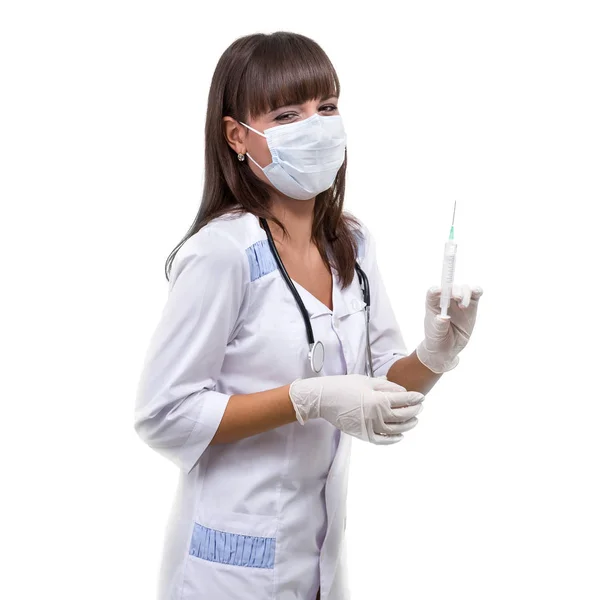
493	104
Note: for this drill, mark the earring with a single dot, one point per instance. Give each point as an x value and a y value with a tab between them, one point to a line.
241	156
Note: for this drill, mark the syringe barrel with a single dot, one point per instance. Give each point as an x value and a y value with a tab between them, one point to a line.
448	270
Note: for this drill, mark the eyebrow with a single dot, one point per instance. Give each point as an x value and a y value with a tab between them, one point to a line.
321	100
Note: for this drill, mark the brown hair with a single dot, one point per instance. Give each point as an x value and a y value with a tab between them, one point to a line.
256	74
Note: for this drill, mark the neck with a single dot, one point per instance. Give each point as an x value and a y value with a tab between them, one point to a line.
297	217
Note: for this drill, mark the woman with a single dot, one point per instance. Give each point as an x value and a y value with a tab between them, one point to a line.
256	376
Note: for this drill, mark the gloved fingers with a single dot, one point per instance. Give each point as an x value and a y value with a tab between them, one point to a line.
385	440
464	294
392	429
433	298
374	430
399	415
400	399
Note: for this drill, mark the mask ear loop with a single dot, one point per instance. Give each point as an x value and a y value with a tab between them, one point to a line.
248	153
252	129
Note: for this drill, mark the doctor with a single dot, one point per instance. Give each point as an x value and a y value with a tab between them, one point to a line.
264	365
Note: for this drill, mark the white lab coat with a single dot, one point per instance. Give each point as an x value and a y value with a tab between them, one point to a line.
263	517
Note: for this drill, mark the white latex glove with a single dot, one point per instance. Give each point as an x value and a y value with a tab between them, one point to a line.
372	409
446	337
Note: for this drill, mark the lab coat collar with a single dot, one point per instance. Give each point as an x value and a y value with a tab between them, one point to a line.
345	302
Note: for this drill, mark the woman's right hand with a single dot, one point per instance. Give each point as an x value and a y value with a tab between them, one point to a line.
369	408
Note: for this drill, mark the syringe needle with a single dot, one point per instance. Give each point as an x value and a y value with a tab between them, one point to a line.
452	227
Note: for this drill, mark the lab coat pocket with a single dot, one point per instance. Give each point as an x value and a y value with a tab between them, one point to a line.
231	557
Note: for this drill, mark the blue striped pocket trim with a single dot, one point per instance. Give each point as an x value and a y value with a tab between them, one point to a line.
232	548
260	259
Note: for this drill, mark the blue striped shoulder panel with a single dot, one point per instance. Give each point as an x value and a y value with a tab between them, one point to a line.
262	262
260	259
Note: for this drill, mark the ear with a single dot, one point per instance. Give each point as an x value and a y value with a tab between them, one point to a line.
235	135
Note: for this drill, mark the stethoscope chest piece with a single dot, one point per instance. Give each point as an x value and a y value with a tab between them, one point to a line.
316	356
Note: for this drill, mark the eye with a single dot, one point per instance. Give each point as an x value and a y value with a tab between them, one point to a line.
328	108
285	116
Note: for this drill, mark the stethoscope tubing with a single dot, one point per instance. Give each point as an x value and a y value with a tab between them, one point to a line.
290	283
364	284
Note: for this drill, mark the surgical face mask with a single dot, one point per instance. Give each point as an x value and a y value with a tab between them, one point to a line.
306	155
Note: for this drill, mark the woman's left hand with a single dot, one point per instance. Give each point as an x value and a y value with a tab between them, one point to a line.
446	337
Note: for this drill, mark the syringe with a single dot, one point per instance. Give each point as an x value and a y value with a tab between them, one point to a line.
448	270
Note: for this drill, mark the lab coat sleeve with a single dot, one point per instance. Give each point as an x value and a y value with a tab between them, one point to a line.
387	341
177	410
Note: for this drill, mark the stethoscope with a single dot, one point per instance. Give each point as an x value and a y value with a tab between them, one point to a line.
316	350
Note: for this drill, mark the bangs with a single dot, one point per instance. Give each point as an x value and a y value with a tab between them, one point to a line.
287	70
